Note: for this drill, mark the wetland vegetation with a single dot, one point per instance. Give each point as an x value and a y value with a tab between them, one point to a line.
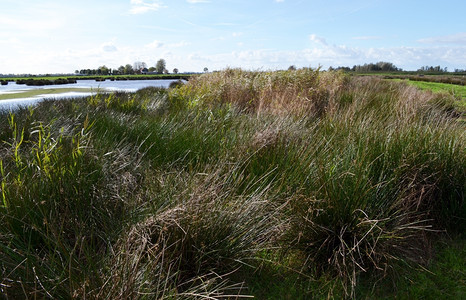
299	183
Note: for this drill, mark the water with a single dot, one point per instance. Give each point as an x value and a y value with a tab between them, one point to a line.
125	86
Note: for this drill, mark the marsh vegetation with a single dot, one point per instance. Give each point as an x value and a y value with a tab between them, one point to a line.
304	183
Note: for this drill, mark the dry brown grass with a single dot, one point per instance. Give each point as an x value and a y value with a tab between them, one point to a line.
303	92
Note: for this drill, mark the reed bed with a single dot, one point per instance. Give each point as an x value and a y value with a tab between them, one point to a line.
182	193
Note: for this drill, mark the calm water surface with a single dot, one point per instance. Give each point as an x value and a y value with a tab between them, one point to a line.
126	86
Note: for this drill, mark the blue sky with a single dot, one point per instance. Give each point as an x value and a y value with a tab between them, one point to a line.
60	36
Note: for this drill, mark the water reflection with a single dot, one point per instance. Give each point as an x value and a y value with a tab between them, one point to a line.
125	86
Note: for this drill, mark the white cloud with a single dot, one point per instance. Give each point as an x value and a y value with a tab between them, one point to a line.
318	39
155	44
278	1
109	47
178	45
459	39
410	58
179	55
144	6
197	1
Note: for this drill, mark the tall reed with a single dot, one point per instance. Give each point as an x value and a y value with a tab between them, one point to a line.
180	192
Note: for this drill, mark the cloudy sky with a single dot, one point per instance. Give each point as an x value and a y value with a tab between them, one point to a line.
60	36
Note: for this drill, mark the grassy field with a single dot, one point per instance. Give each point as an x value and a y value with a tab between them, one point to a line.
279	185
448	78
38	92
457	91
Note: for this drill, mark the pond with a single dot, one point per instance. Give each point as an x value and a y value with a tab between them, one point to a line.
11	94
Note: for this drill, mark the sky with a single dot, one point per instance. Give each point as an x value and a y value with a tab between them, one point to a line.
61	36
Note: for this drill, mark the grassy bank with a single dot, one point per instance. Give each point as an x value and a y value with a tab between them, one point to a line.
299	183
457	91
452	78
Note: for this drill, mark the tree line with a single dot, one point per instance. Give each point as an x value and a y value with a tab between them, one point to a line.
137	67
382	66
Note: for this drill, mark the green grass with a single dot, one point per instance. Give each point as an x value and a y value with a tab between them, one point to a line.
299	184
455	90
37	92
458	92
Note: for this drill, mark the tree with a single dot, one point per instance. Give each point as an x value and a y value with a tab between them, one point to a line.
175	70
103	70
121	70
160	66
292	68
129	69
206	70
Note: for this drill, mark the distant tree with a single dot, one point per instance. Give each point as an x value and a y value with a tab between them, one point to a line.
206	70
152	69
346	69
165	71
433	69
380	66
160	66
121	70
292	68
129	69
103	70
175	70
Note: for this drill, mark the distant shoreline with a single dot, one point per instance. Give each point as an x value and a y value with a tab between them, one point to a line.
100	77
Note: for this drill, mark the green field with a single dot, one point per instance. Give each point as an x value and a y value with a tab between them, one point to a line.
457	91
38	92
294	184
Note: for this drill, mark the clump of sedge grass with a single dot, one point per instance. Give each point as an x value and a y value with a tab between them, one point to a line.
208	234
